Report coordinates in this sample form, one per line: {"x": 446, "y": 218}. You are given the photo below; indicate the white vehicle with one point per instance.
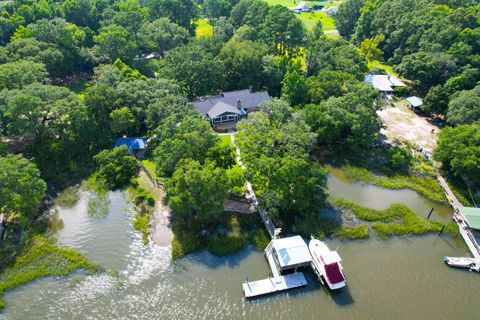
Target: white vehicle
{"x": 326, "y": 264}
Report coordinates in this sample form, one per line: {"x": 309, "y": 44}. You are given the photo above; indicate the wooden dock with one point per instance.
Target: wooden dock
{"x": 271, "y": 285}
{"x": 461, "y": 221}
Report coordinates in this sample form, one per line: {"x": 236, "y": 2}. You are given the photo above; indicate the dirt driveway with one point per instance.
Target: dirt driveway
{"x": 402, "y": 123}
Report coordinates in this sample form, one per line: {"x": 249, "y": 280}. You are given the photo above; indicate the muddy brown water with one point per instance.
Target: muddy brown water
{"x": 398, "y": 278}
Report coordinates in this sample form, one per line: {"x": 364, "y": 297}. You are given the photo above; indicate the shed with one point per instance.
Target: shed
{"x": 472, "y": 215}
{"x": 291, "y": 253}
{"x": 414, "y": 102}
{"x": 133, "y": 144}
{"x": 302, "y": 7}
{"x": 331, "y": 11}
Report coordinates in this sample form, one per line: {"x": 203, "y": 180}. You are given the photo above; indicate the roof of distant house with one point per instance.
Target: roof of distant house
{"x": 220, "y": 108}
{"x": 384, "y": 82}
{"x": 472, "y": 215}
{"x": 247, "y": 100}
{"x": 332, "y": 9}
{"x": 302, "y": 5}
{"x": 291, "y": 251}
{"x": 415, "y": 101}
{"x": 132, "y": 143}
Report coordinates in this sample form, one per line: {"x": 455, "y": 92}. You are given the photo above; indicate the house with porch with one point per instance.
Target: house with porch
{"x": 227, "y": 108}
{"x": 385, "y": 83}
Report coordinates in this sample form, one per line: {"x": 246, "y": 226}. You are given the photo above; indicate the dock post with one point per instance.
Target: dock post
{"x": 428, "y": 217}
{"x": 441, "y": 230}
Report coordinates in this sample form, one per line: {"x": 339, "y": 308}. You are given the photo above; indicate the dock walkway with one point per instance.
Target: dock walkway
{"x": 461, "y": 221}
{"x": 271, "y": 285}
{"x": 263, "y": 214}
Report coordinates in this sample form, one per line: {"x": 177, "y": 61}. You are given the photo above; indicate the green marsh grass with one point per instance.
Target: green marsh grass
{"x": 43, "y": 258}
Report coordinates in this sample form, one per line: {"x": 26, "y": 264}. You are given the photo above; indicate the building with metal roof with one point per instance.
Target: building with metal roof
{"x": 384, "y": 82}
{"x": 291, "y": 253}
{"x": 133, "y": 144}
{"x": 472, "y": 215}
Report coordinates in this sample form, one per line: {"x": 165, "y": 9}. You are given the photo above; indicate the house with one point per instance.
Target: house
{"x": 414, "y": 103}
{"x": 290, "y": 253}
{"x": 302, "y": 7}
{"x": 331, "y": 11}
{"x": 230, "y": 107}
{"x": 135, "y": 145}
{"x": 384, "y": 82}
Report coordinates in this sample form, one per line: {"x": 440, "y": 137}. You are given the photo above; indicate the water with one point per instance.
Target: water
{"x": 399, "y": 278}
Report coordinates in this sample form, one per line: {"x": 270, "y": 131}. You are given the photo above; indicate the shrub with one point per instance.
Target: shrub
{"x": 116, "y": 167}
{"x": 141, "y": 223}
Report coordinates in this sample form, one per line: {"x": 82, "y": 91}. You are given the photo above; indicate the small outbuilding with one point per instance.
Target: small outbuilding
{"x": 331, "y": 11}
{"x": 135, "y": 145}
{"x": 291, "y": 253}
{"x": 302, "y": 7}
{"x": 472, "y": 215}
{"x": 414, "y": 103}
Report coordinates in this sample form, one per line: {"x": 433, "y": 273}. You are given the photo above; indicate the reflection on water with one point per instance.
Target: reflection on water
{"x": 399, "y": 278}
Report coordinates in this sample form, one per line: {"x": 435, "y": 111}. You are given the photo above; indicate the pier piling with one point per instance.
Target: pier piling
{"x": 428, "y": 217}
{"x": 441, "y": 230}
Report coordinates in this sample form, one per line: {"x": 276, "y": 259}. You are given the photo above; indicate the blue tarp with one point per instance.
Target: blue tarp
{"x": 131, "y": 143}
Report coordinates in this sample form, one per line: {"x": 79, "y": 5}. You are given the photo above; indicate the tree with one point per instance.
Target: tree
{"x": 40, "y": 52}
{"x": 21, "y": 187}
{"x": 294, "y": 87}
{"x": 436, "y": 100}
{"x": 197, "y": 192}
{"x": 193, "y": 68}
{"x": 116, "y": 167}
{"x": 215, "y": 9}
{"x": 122, "y": 120}
{"x": 328, "y": 84}
{"x": 242, "y": 61}
{"x": 369, "y": 47}
{"x": 347, "y": 16}
{"x": 464, "y": 107}
{"x": 161, "y": 35}
{"x": 18, "y": 74}
{"x": 113, "y": 42}
{"x": 180, "y": 12}
{"x": 459, "y": 151}
{"x": 191, "y": 138}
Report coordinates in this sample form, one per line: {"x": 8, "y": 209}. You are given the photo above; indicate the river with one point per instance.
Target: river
{"x": 398, "y": 278}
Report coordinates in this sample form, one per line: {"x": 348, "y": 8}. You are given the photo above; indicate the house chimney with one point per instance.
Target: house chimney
{"x": 239, "y": 104}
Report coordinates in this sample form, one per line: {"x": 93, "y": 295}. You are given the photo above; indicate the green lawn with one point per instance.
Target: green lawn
{"x": 226, "y": 139}
{"x": 204, "y": 29}
{"x": 380, "y": 65}
{"x": 79, "y": 88}
{"x": 310, "y": 18}
{"x": 150, "y": 165}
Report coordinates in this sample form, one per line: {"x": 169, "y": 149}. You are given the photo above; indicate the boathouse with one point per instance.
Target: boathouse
{"x": 472, "y": 215}
{"x": 290, "y": 253}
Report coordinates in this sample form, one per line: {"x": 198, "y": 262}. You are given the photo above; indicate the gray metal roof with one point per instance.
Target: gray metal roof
{"x": 415, "y": 101}
{"x": 247, "y": 100}
{"x": 220, "y": 108}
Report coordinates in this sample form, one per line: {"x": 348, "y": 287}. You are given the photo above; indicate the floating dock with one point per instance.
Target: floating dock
{"x": 271, "y": 285}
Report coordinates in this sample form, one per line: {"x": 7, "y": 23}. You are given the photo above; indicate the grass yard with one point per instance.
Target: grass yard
{"x": 79, "y": 88}
{"x": 311, "y": 18}
{"x": 204, "y": 29}
{"x": 380, "y": 65}
{"x": 226, "y": 139}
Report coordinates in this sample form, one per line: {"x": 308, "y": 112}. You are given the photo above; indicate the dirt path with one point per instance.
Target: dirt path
{"x": 404, "y": 124}
{"x": 160, "y": 230}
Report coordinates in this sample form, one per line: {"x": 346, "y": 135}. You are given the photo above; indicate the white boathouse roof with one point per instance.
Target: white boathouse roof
{"x": 291, "y": 251}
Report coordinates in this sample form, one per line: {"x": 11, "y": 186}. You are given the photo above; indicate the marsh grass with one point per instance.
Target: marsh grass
{"x": 259, "y": 239}
{"x": 97, "y": 206}
{"x": 353, "y": 232}
{"x": 322, "y": 227}
{"x": 141, "y": 223}
{"x": 68, "y": 198}
{"x": 426, "y": 186}
{"x": 43, "y": 258}
{"x": 396, "y": 220}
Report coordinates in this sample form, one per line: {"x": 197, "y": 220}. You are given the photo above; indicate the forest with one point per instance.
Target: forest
{"x": 77, "y": 74}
